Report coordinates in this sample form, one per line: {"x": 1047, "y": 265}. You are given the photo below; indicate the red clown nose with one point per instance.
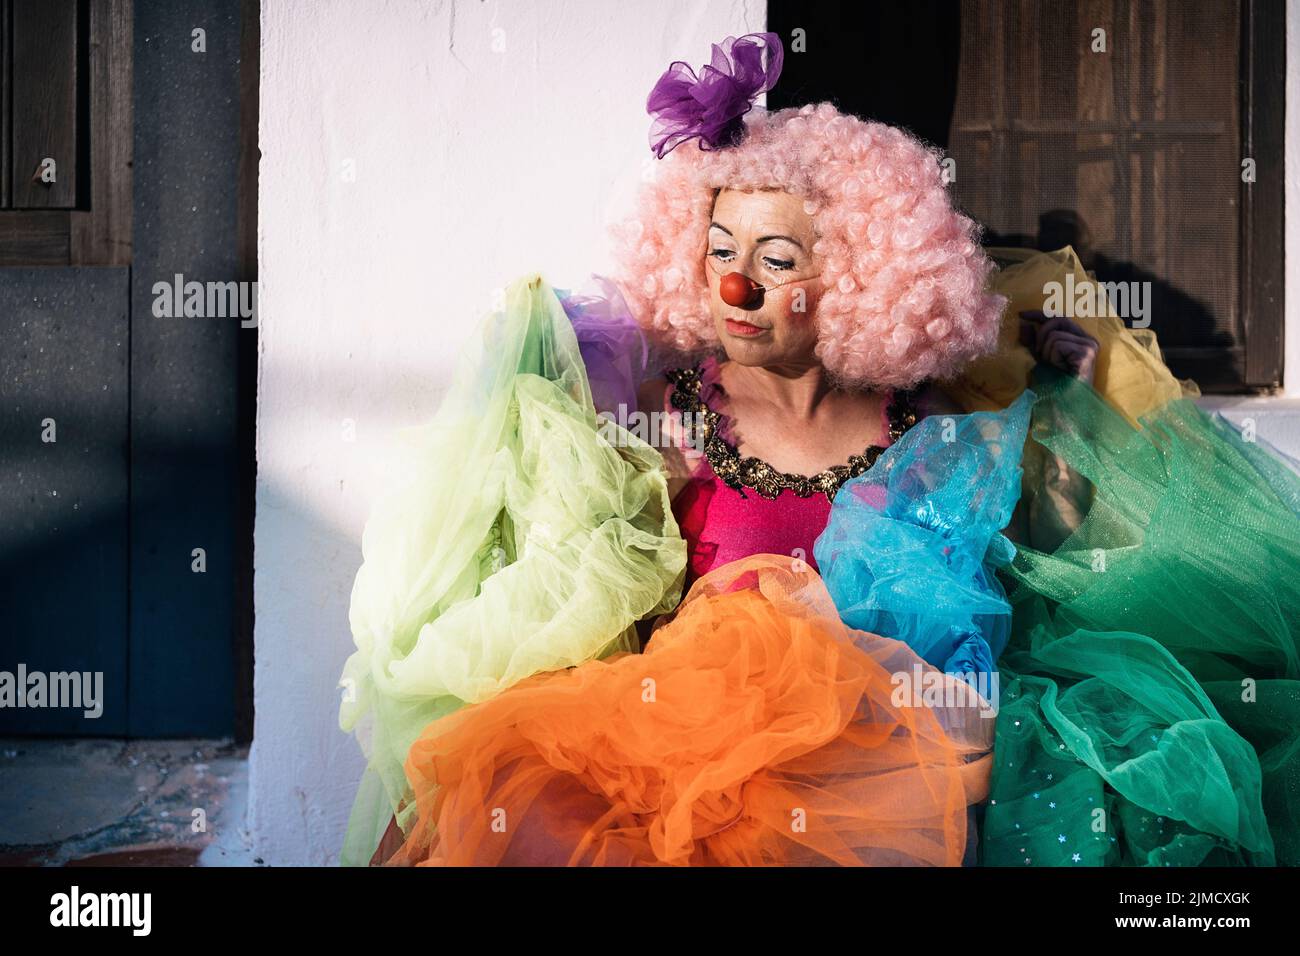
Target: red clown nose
{"x": 739, "y": 290}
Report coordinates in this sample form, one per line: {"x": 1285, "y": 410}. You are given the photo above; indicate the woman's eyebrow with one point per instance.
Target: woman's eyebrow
{"x": 789, "y": 239}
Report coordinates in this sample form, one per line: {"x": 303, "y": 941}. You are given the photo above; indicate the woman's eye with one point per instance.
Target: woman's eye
{"x": 778, "y": 265}
{"x": 723, "y": 255}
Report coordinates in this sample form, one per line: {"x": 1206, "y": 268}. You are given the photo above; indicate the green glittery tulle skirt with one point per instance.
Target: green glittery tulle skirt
{"x": 1151, "y": 685}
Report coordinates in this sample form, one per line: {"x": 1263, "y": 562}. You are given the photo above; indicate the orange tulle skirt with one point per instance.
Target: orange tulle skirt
{"x": 755, "y": 729}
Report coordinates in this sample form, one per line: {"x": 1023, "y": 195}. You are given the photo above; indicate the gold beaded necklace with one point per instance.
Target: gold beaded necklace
{"x": 754, "y": 473}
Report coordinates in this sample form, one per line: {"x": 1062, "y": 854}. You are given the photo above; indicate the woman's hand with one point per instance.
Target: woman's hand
{"x": 1059, "y": 342}
{"x": 1055, "y": 498}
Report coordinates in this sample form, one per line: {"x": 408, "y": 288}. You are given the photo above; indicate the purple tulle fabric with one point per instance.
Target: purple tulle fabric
{"x": 613, "y": 346}
{"x": 712, "y": 106}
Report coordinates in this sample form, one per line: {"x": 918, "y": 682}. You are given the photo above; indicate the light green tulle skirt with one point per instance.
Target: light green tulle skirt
{"x": 515, "y": 537}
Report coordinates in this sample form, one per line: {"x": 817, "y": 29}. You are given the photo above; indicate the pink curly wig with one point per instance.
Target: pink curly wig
{"x": 904, "y": 275}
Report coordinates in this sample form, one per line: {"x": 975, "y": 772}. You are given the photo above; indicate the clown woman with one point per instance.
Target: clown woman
{"x": 884, "y": 468}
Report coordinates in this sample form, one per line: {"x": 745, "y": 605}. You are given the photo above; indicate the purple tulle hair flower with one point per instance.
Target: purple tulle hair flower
{"x": 712, "y": 106}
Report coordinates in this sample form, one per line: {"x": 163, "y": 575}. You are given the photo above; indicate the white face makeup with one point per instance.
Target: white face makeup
{"x": 767, "y": 236}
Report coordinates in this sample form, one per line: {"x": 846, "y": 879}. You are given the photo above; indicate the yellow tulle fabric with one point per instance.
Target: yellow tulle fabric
{"x": 1130, "y": 374}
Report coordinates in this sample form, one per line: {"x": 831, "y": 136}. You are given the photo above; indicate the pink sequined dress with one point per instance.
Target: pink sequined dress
{"x": 759, "y": 510}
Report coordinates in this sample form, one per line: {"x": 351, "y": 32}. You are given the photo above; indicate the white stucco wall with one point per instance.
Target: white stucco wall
{"x": 489, "y": 139}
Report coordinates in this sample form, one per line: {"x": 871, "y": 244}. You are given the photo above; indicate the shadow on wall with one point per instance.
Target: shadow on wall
{"x": 1179, "y": 317}
{"x": 301, "y": 783}
{"x": 317, "y": 765}
{"x": 72, "y": 601}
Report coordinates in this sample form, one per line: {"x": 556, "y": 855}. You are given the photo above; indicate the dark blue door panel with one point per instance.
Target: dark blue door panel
{"x": 64, "y": 337}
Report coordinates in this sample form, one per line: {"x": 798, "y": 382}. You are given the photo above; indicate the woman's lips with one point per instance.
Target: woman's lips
{"x": 744, "y": 329}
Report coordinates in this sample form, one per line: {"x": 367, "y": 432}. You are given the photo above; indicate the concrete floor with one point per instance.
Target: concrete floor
{"x": 123, "y": 803}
